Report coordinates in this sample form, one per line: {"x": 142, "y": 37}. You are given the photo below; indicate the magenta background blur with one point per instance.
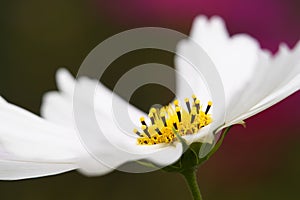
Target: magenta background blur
{"x": 270, "y": 21}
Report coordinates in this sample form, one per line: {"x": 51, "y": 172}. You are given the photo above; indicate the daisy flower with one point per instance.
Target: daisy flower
{"x": 179, "y": 136}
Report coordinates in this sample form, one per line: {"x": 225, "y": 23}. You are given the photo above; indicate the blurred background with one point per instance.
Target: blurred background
{"x": 38, "y": 37}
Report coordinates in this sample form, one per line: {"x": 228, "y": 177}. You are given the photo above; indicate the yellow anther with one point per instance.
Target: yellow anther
{"x": 166, "y": 130}
{"x": 152, "y": 110}
{"x": 168, "y": 120}
{"x": 209, "y": 104}
{"x": 144, "y": 127}
{"x": 188, "y": 105}
{"x": 151, "y": 116}
{"x": 176, "y": 103}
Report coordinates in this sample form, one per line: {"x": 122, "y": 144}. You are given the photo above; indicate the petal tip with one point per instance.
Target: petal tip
{"x": 2, "y": 100}
{"x": 65, "y": 80}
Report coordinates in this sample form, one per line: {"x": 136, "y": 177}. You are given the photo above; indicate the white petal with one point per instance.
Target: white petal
{"x": 112, "y": 133}
{"x": 29, "y": 142}
{"x": 275, "y": 97}
{"x": 27, "y": 138}
{"x": 235, "y": 57}
{"x": 189, "y": 81}
{"x": 274, "y": 76}
{"x": 204, "y": 136}
{"x": 65, "y": 81}
{"x": 2, "y": 100}
{"x": 15, "y": 169}
{"x": 253, "y": 80}
{"x": 54, "y": 103}
{"x": 112, "y": 148}
{"x": 197, "y": 74}
{"x": 22, "y": 133}
{"x": 58, "y": 107}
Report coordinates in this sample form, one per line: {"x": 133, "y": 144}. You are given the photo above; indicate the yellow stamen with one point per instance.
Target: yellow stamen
{"x": 194, "y": 97}
{"x": 209, "y": 104}
{"x": 142, "y": 119}
{"x": 188, "y": 105}
{"x": 176, "y": 103}
{"x": 167, "y": 120}
{"x": 151, "y": 116}
{"x": 178, "y": 113}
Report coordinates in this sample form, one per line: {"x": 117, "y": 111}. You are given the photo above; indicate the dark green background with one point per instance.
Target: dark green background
{"x": 38, "y": 37}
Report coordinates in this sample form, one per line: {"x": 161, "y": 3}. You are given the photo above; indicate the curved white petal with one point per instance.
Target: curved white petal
{"x": 2, "y": 100}
{"x": 19, "y": 169}
{"x": 204, "y": 136}
{"x": 275, "y": 97}
{"x": 65, "y": 81}
{"x": 89, "y": 110}
{"x": 276, "y": 78}
{"x": 33, "y": 142}
{"x": 112, "y": 132}
{"x": 196, "y": 73}
{"x": 28, "y": 143}
{"x": 235, "y": 57}
{"x": 253, "y": 79}
{"x": 22, "y": 133}
{"x": 57, "y": 103}
{"x": 189, "y": 81}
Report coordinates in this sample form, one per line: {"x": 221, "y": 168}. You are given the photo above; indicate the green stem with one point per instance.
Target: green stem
{"x": 191, "y": 179}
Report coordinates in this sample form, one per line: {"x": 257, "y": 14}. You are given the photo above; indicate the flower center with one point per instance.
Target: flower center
{"x": 168, "y": 120}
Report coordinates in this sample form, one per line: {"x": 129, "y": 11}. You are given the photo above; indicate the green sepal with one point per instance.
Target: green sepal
{"x": 193, "y": 156}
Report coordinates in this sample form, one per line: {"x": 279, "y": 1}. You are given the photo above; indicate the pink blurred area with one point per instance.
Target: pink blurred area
{"x": 271, "y": 22}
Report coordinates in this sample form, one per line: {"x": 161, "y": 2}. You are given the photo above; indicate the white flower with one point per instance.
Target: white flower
{"x": 252, "y": 78}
